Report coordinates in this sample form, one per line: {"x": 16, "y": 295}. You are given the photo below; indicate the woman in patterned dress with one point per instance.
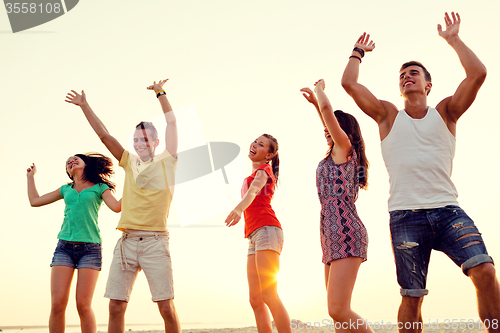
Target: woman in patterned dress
{"x": 339, "y": 176}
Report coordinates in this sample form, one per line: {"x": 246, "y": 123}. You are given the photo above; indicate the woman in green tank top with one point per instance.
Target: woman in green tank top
{"x": 79, "y": 245}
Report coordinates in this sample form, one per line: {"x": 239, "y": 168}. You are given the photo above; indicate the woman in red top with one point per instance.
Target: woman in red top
{"x": 264, "y": 233}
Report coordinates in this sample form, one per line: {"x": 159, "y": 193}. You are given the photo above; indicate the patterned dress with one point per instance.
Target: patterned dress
{"x": 342, "y": 232}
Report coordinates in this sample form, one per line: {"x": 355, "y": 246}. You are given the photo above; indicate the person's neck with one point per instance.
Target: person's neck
{"x": 146, "y": 158}
{"x": 257, "y": 164}
{"x": 416, "y": 106}
{"x": 80, "y": 181}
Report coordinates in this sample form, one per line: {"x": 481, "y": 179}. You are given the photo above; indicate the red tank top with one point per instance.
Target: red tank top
{"x": 260, "y": 213}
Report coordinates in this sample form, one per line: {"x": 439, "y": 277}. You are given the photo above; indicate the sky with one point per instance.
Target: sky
{"x": 237, "y": 66}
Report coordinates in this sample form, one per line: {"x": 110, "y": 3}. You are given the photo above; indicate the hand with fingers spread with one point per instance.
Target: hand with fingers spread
{"x": 157, "y": 86}
{"x": 75, "y": 98}
{"x": 364, "y": 43}
{"x": 31, "y": 170}
{"x": 452, "y": 26}
{"x": 310, "y": 96}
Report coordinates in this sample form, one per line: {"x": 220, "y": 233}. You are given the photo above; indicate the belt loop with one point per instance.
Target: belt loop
{"x": 156, "y": 235}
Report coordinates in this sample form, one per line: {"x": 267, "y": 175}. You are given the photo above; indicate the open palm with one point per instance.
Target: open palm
{"x": 75, "y": 98}
{"x": 365, "y": 43}
{"x": 452, "y": 26}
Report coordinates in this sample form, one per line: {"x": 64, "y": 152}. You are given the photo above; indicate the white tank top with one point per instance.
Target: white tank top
{"x": 418, "y": 154}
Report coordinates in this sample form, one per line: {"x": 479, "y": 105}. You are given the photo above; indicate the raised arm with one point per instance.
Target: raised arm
{"x": 114, "y": 147}
{"x": 475, "y": 72}
{"x": 35, "y": 199}
{"x": 258, "y": 183}
{"x": 171, "y": 138}
{"x": 311, "y": 98}
{"x": 339, "y": 137}
{"x": 363, "y": 97}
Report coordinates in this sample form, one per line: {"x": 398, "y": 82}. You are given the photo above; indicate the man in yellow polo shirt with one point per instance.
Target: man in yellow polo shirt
{"x": 147, "y": 194}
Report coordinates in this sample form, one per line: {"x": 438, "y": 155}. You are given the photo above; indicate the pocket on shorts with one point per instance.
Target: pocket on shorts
{"x": 453, "y": 209}
{"x": 60, "y": 244}
{"x": 280, "y": 236}
{"x": 397, "y": 215}
{"x": 117, "y": 247}
{"x": 165, "y": 246}
{"x": 94, "y": 247}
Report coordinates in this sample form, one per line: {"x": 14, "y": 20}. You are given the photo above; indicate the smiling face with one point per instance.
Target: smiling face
{"x": 328, "y": 137}
{"x": 145, "y": 143}
{"x": 412, "y": 79}
{"x": 73, "y": 164}
{"x": 259, "y": 150}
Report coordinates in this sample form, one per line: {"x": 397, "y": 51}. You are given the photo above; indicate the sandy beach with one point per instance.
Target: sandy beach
{"x": 438, "y": 328}
{"x": 253, "y": 329}
{"x": 297, "y": 327}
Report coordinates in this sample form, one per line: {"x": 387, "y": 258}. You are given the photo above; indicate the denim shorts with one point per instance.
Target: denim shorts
{"x": 415, "y": 233}
{"x": 268, "y": 237}
{"x": 78, "y": 255}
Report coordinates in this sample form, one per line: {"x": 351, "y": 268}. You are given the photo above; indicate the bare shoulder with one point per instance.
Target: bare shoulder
{"x": 442, "y": 107}
{"x": 390, "y": 108}
{"x": 385, "y": 123}
{"x": 448, "y": 118}
{"x": 261, "y": 174}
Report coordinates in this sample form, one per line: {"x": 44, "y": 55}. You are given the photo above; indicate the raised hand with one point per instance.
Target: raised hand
{"x": 31, "y": 170}
{"x": 75, "y": 98}
{"x": 309, "y": 95}
{"x": 365, "y": 43}
{"x": 320, "y": 84}
{"x": 157, "y": 86}
{"x": 452, "y": 26}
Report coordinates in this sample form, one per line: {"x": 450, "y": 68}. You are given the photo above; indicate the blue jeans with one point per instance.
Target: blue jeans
{"x": 78, "y": 255}
{"x": 415, "y": 233}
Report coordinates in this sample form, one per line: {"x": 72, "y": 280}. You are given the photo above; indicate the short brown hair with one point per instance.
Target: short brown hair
{"x": 427, "y": 75}
{"x": 148, "y": 125}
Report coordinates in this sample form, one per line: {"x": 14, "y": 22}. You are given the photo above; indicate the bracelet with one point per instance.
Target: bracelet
{"x": 360, "y": 51}
{"x": 353, "y": 56}
{"x": 161, "y": 92}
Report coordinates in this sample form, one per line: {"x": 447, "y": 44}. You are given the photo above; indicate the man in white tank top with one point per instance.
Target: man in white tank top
{"x": 418, "y": 146}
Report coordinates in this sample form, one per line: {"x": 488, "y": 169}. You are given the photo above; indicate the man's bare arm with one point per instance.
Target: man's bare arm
{"x": 475, "y": 71}
{"x": 381, "y": 111}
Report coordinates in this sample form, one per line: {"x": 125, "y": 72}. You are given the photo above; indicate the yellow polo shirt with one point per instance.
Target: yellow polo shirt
{"x": 147, "y": 192}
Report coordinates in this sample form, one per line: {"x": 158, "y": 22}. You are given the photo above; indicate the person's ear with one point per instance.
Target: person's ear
{"x": 428, "y": 87}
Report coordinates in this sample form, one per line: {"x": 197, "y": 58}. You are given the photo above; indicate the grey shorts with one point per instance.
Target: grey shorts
{"x": 136, "y": 251}
{"x": 265, "y": 238}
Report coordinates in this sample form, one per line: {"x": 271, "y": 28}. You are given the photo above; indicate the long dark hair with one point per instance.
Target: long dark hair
{"x": 350, "y": 126}
{"x": 275, "y": 160}
{"x": 98, "y": 169}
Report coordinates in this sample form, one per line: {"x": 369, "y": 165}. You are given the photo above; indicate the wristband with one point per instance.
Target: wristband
{"x": 161, "y": 92}
{"x": 353, "y": 56}
{"x": 360, "y": 51}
